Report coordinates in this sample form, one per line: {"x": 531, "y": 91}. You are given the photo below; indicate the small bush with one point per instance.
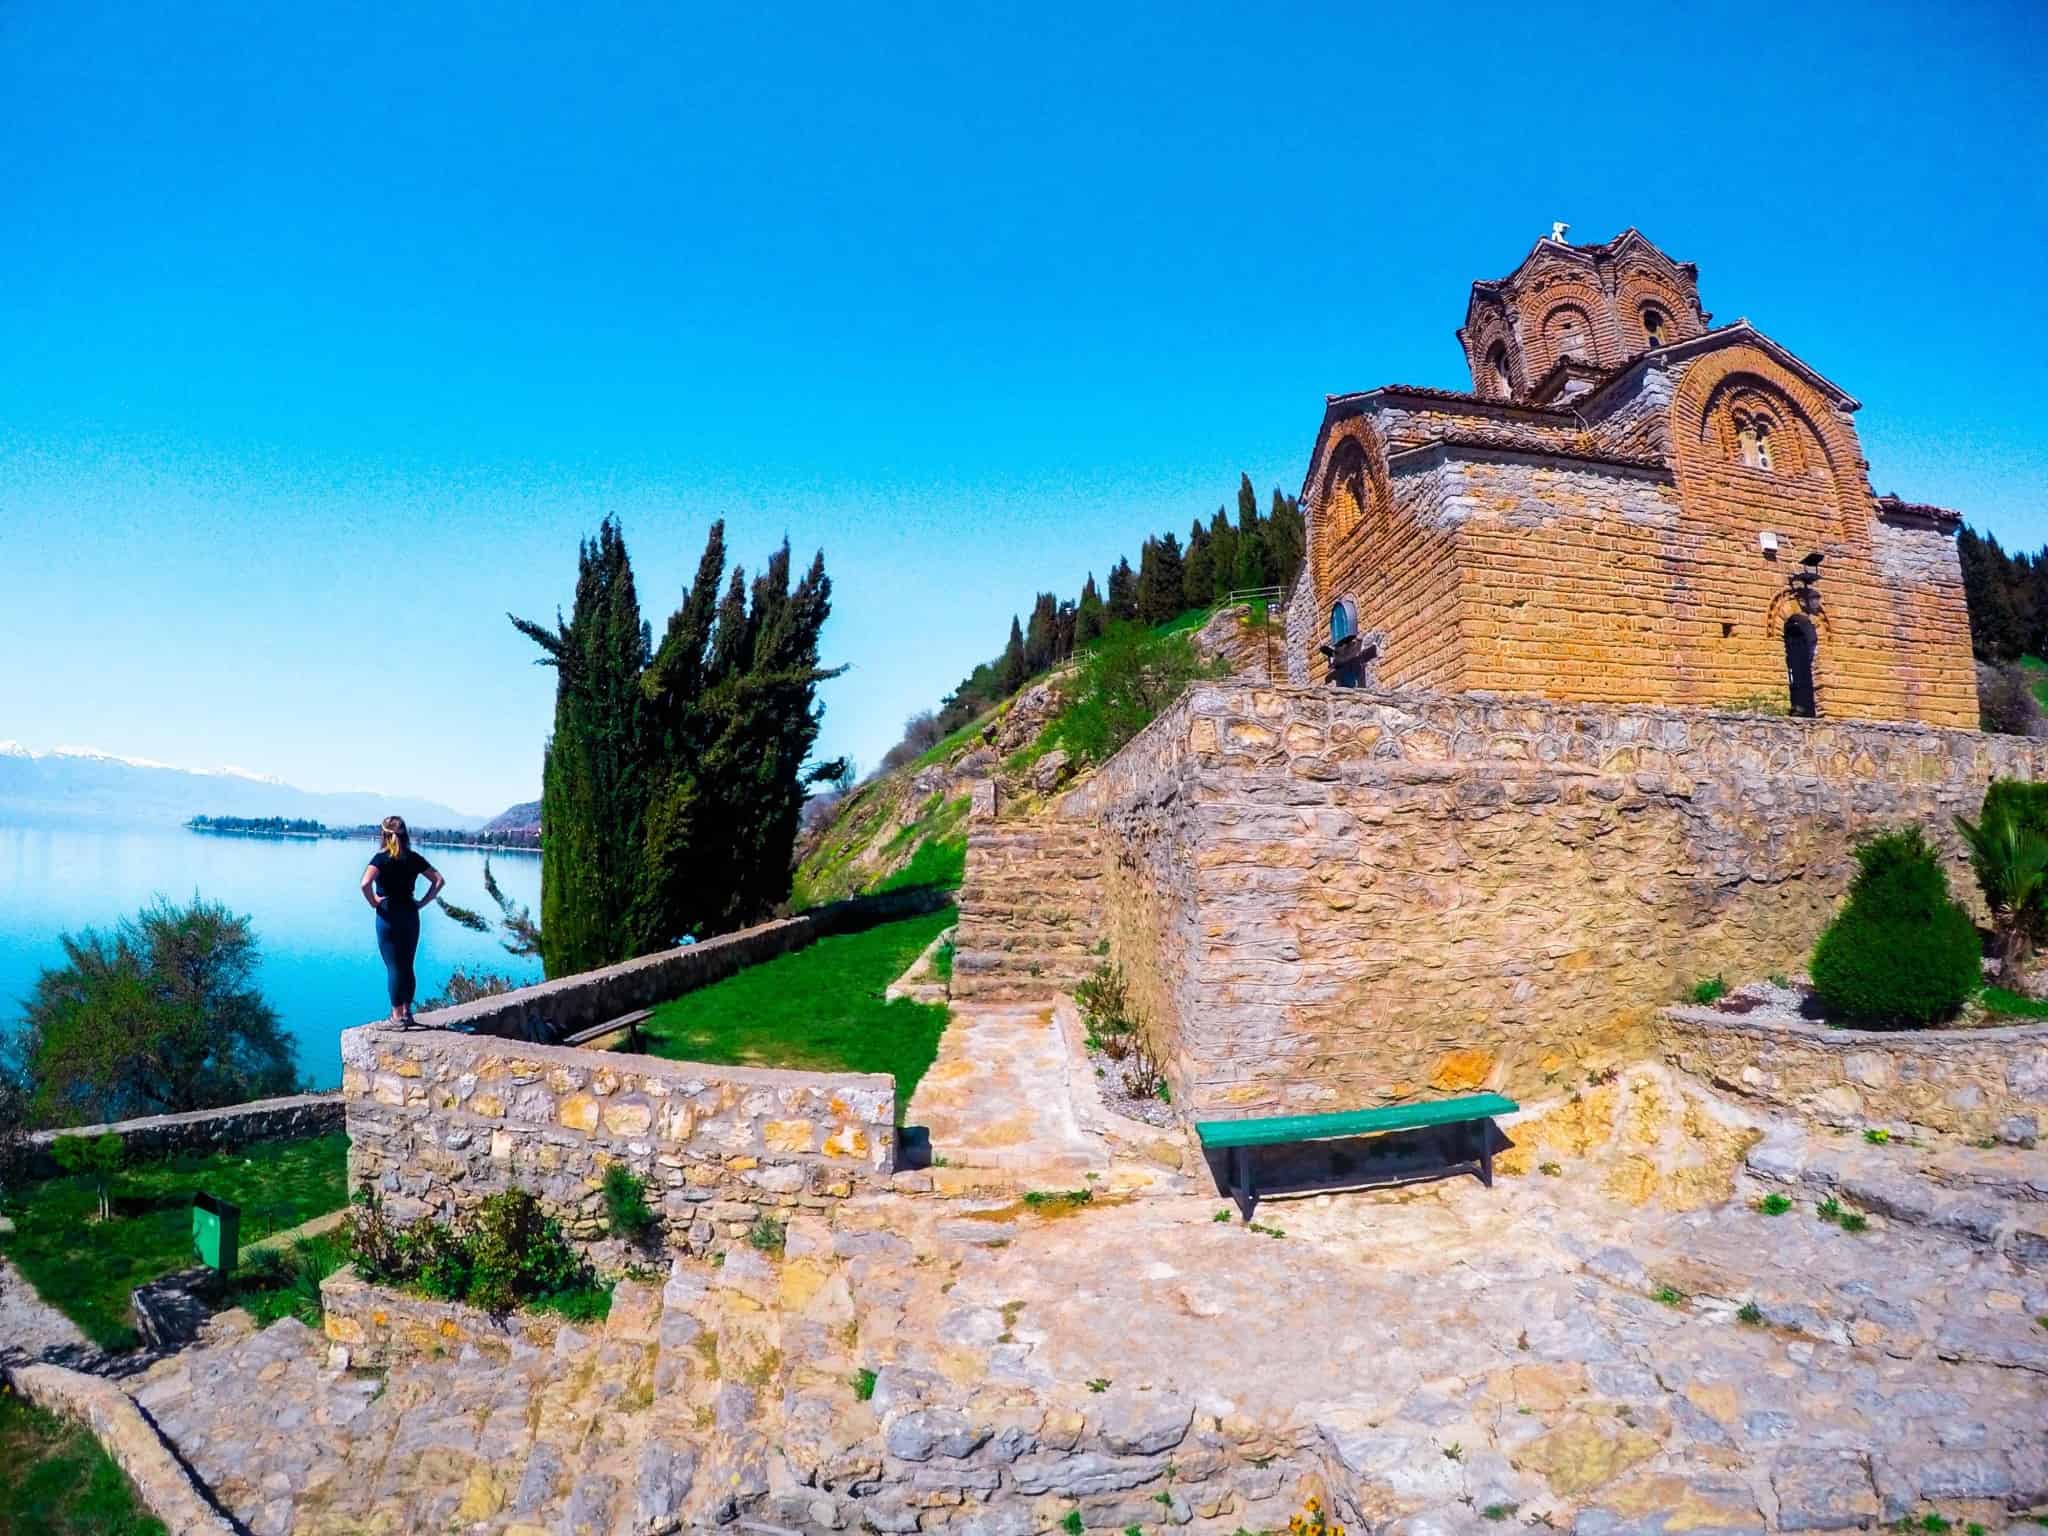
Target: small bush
{"x": 100, "y": 1157}
{"x": 1751, "y": 1315}
{"x": 1774, "y": 1205}
{"x": 767, "y": 1235}
{"x": 864, "y": 1384}
{"x": 503, "y": 1253}
{"x": 626, "y": 1209}
{"x": 1712, "y": 990}
{"x": 1900, "y": 953}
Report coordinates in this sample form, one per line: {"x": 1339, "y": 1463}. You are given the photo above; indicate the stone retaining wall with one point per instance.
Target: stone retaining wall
{"x": 550, "y": 1010}
{"x": 205, "y": 1130}
{"x": 380, "y": 1326}
{"x": 1963, "y": 1082}
{"x": 1335, "y": 898}
{"x": 437, "y": 1121}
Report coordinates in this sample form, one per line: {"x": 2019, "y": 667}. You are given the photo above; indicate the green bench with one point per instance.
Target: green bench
{"x": 1236, "y": 1138}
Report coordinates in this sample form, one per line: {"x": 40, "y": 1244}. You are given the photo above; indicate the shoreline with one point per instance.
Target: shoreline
{"x": 352, "y": 834}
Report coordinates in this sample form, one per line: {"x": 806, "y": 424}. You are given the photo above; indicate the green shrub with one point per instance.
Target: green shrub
{"x": 1129, "y": 676}
{"x": 98, "y": 1156}
{"x": 626, "y": 1209}
{"x": 503, "y": 1253}
{"x": 2009, "y": 855}
{"x": 1900, "y": 954}
{"x": 1712, "y": 990}
{"x": 767, "y": 1235}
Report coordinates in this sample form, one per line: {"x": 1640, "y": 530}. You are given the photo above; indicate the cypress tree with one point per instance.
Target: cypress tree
{"x": 1123, "y": 592}
{"x": 1088, "y": 615}
{"x": 1010, "y": 673}
{"x": 1286, "y": 538}
{"x": 1247, "y": 502}
{"x": 1169, "y": 575}
{"x": 685, "y": 822}
{"x": 1198, "y": 580}
{"x": 1063, "y": 622}
{"x": 1222, "y": 554}
{"x": 593, "y": 783}
{"x": 1040, "y": 637}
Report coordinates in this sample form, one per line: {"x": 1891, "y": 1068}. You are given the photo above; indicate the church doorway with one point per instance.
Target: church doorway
{"x": 1800, "y": 644}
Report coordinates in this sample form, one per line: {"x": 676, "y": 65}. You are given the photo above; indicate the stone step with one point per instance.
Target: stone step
{"x": 1997, "y": 1204}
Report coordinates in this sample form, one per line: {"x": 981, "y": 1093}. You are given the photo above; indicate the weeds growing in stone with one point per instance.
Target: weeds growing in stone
{"x": 767, "y": 1235}
{"x": 1498, "y": 1512}
{"x": 1071, "y": 1523}
{"x": 1099, "y": 1384}
{"x": 1550, "y": 1170}
{"x": 626, "y": 1210}
{"x": 1222, "y": 1215}
{"x": 1876, "y": 1137}
{"x": 1253, "y": 1226}
{"x": 1774, "y": 1205}
{"x": 1670, "y": 1296}
{"x": 863, "y": 1384}
{"x": 1048, "y": 1201}
{"x": 1751, "y": 1314}
{"x": 1712, "y": 990}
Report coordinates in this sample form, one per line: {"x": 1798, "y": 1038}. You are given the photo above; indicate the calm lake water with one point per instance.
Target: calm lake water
{"x": 320, "y": 968}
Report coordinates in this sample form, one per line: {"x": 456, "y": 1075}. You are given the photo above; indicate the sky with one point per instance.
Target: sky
{"x": 326, "y": 333}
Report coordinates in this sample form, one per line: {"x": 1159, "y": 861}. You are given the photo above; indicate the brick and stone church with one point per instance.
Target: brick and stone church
{"x": 1631, "y": 505}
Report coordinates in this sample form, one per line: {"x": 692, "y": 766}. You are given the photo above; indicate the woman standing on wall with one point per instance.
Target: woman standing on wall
{"x": 388, "y": 888}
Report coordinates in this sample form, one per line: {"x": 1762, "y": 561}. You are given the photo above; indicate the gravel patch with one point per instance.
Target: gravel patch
{"x": 1119, "y": 1100}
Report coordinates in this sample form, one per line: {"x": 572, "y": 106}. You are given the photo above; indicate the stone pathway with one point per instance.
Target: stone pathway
{"x": 1436, "y": 1358}
{"x": 34, "y": 1332}
{"x": 1002, "y": 1096}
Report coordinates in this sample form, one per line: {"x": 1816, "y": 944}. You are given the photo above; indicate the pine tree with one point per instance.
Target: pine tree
{"x": 1063, "y": 621}
{"x": 1198, "y": 579}
{"x": 1010, "y": 671}
{"x": 593, "y": 788}
{"x": 1123, "y": 592}
{"x": 1169, "y": 576}
{"x": 1088, "y": 616}
{"x": 1247, "y": 503}
{"x": 1991, "y": 583}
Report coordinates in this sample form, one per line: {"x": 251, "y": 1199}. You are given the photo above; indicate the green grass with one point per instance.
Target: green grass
{"x": 820, "y": 1008}
{"x": 946, "y": 746}
{"x": 86, "y": 1268}
{"x": 2004, "y": 1004}
{"x": 2037, "y": 674}
{"x": 59, "y": 1482}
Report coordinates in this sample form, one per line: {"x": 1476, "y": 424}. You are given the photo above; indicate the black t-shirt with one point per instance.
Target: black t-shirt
{"x": 396, "y": 876}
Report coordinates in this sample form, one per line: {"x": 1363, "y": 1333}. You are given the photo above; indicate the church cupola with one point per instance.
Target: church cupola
{"x": 1570, "y": 313}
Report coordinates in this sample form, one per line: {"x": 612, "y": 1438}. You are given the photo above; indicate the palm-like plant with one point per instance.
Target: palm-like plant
{"x": 2011, "y": 864}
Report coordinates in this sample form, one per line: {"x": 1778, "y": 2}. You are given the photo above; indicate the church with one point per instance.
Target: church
{"x": 1631, "y": 505}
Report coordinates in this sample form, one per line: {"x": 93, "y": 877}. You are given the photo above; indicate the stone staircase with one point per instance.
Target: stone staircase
{"x": 1030, "y": 910}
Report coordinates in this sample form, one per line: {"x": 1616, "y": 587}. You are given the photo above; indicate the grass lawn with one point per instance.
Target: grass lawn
{"x": 59, "y": 1482}
{"x": 820, "y": 1008}
{"x": 86, "y": 1268}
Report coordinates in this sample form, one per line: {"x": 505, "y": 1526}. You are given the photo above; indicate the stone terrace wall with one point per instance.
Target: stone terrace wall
{"x": 550, "y": 1010}
{"x": 1962, "y": 1082}
{"x": 437, "y": 1121}
{"x": 205, "y": 1130}
{"x": 1337, "y": 897}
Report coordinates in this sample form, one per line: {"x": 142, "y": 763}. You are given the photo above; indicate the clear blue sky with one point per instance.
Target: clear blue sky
{"x": 325, "y": 332}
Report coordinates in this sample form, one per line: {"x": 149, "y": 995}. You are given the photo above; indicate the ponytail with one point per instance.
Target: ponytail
{"x": 397, "y": 841}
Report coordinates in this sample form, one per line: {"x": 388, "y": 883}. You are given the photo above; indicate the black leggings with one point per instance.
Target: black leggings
{"x": 398, "y": 940}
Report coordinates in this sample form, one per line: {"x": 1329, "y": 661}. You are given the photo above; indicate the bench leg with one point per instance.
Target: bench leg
{"x": 1241, "y": 1188}
{"x": 1486, "y": 1153}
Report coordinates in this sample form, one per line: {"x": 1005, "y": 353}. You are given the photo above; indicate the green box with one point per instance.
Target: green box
{"x": 216, "y": 1232}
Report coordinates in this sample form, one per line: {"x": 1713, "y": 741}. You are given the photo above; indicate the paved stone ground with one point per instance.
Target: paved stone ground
{"x": 1002, "y": 1094}
{"x": 1437, "y": 1358}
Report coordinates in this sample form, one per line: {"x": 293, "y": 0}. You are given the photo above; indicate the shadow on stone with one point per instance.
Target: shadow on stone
{"x": 913, "y": 1146}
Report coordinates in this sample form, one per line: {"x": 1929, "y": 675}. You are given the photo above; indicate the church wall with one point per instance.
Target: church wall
{"x": 1381, "y": 896}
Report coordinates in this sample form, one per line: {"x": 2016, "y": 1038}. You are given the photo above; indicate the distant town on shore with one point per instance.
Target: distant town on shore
{"x": 518, "y": 830}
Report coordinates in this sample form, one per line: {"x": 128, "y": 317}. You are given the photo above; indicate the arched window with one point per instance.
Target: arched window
{"x": 1800, "y": 644}
{"x": 1343, "y": 620}
{"x": 1655, "y": 327}
{"x": 1753, "y": 440}
{"x": 1497, "y": 370}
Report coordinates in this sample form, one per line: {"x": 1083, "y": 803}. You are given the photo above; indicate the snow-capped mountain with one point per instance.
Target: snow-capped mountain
{"x": 85, "y": 783}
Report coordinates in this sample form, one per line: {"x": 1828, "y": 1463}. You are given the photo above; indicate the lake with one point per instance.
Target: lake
{"x": 320, "y": 969}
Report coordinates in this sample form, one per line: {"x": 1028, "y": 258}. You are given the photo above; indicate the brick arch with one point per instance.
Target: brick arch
{"x": 1829, "y": 439}
{"x": 1639, "y": 288}
{"x": 1490, "y": 330}
{"x": 1352, "y": 499}
{"x": 1795, "y": 446}
{"x": 1536, "y": 308}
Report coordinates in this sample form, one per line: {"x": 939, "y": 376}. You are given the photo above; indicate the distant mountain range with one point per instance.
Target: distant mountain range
{"x": 524, "y": 817}
{"x": 76, "y": 783}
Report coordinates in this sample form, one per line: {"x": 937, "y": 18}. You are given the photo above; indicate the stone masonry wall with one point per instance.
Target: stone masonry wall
{"x": 1332, "y": 897}
{"x": 1959, "y": 1082}
{"x": 205, "y": 1130}
{"x": 437, "y": 1121}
